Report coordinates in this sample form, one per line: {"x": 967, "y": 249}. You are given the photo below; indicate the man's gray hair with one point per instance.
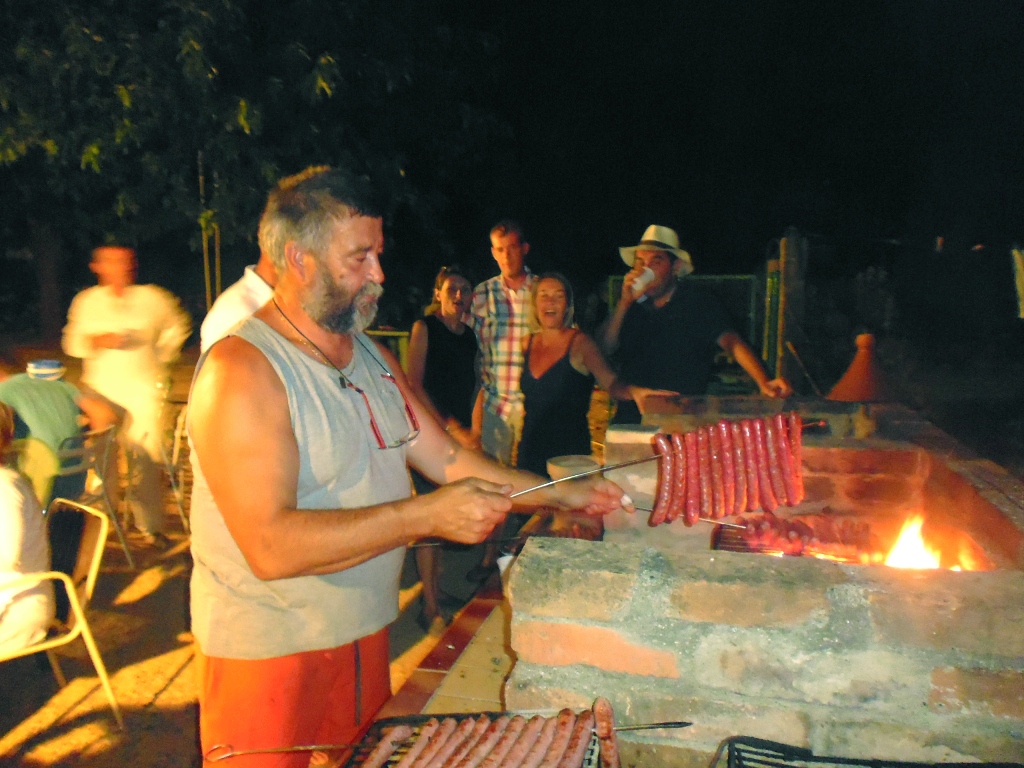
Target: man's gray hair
{"x": 304, "y": 208}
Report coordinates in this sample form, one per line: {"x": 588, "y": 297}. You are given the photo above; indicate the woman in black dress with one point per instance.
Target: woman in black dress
{"x": 442, "y": 354}
{"x": 561, "y": 365}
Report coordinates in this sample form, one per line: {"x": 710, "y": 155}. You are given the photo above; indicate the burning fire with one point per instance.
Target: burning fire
{"x": 910, "y": 551}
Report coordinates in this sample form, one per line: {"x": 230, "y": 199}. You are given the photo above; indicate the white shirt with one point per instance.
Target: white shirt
{"x": 24, "y": 547}
{"x": 129, "y": 377}
{"x": 237, "y": 303}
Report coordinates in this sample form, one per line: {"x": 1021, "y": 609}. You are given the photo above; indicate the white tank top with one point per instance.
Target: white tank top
{"x": 236, "y": 615}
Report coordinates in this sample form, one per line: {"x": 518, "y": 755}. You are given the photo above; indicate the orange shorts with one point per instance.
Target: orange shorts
{"x": 315, "y": 697}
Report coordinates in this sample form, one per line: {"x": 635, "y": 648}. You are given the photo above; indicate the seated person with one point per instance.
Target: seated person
{"x": 50, "y": 409}
{"x": 25, "y": 615}
{"x": 665, "y": 333}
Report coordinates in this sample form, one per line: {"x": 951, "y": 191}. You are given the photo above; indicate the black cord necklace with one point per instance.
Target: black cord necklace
{"x": 344, "y": 379}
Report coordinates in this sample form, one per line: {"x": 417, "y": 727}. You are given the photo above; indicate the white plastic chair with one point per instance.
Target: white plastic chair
{"x": 78, "y": 584}
{"x": 91, "y": 451}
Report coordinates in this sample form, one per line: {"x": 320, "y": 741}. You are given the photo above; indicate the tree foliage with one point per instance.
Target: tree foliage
{"x": 136, "y": 121}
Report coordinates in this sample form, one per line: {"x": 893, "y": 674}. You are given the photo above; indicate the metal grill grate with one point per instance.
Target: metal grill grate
{"x": 749, "y": 752}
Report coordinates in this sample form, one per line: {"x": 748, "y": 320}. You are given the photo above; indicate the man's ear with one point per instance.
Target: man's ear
{"x": 295, "y": 259}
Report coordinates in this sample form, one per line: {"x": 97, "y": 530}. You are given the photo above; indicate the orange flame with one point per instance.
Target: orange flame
{"x": 910, "y": 551}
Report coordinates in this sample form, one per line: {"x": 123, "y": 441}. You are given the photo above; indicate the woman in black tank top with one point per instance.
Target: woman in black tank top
{"x": 561, "y": 365}
{"x": 442, "y": 357}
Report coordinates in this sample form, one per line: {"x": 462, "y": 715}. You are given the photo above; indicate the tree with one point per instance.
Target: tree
{"x": 112, "y": 115}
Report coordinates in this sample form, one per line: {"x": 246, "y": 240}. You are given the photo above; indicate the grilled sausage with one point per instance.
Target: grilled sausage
{"x": 692, "y": 511}
{"x": 662, "y": 447}
{"x": 452, "y": 743}
{"x": 768, "y": 498}
{"x": 796, "y": 448}
{"x": 728, "y": 466}
{"x": 540, "y": 747}
{"x": 508, "y": 738}
{"x": 739, "y": 466}
{"x": 775, "y": 467}
{"x": 704, "y": 467}
{"x": 750, "y": 465}
{"x": 514, "y": 757}
{"x": 780, "y": 426}
{"x": 576, "y": 750}
{"x": 389, "y": 742}
{"x": 604, "y": 724}
{"x": 678, "y": 503}
{"x": 717, "y": 473}
{"x": 483, "y": 726}
{"x": 437, "y": 740}
{"x": 427, "y": 730}
{"x": 566, "y": 721}
{"x": 486, "y": 743}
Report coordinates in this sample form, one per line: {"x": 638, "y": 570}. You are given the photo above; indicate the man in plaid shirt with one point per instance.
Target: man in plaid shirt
{"x": 498, "y": 316}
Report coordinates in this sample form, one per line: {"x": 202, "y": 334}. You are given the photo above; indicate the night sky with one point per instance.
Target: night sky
{"x": 871, "y": 126}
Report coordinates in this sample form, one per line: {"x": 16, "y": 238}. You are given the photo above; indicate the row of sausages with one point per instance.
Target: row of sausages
{"x": 508, "y": 741}
{"x": 729, "y": 468}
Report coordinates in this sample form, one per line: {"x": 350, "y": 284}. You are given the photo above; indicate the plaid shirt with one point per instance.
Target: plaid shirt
{"x": 498, "y": 316}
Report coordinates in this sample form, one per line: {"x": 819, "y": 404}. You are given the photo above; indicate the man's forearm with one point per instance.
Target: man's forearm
{"x": 609, "y": 332}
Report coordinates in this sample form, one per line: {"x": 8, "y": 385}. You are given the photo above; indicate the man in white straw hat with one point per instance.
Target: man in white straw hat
{"x": 664, "y": 334}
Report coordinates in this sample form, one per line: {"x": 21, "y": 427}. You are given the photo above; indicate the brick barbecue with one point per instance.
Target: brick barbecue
{"x": 848, "y": 660}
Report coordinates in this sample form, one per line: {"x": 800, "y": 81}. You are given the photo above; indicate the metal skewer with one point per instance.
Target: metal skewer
{"x": 653, "y": 726}
{"x": 578, "y": 475}
{"x": 220, "y": 752}
{"x": 704, "y": 520}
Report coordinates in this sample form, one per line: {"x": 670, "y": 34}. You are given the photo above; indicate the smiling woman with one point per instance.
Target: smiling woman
{"x": 561, "y": 365}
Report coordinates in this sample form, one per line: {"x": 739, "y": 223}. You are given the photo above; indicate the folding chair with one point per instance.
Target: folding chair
{"x": 79, "y": 454}
{"x": 78, "y": 582}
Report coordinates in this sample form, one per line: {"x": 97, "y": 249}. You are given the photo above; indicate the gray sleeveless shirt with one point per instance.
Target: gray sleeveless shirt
{"x": 236, "y": 615}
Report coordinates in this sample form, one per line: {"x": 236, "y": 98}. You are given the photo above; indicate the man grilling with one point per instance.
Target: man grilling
{"x": 301, "y": 429}
{"x": 664, "y": 334}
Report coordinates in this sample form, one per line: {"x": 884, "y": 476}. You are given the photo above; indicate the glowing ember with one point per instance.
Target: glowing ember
{"x": 910, "y": 551}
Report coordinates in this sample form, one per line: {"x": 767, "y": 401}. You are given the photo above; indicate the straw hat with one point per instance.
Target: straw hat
{"x": 658, "y": 238}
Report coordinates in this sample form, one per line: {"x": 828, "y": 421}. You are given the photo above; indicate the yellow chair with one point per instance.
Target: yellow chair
{"x": 78, "y": 584}
{"x": 91, "y": 451}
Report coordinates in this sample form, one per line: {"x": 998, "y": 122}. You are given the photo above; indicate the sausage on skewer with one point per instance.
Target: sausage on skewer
{"x": 663, "y": 497}
{"x": 764, "y": 481}
{"x": 780, "y": 426}
{"x": 678, "y": 503}
{"x": 750, "y": 464}
{"x": 692, "y": 510}
{"x": 728, "y": 466}
{"x": 739, "y": 466}
{"x": 704, "y": 467}
{"x": 389, "y": 742}
{"x": 775, "y": 470}
{"x": 717, "y": 472}
{"x": 604, "y": 724}
{"x": 796, "y": 443}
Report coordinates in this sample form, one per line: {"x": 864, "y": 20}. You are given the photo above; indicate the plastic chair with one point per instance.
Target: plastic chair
{"x": 78, "y": 583}
{"x": 37, "y": 461}
{"x": 91, "y": 450}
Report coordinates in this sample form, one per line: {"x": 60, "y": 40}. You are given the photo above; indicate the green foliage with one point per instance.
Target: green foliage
{"x": 134, "y": 121}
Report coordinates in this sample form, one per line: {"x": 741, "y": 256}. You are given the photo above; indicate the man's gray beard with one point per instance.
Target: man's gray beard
{"x": 336, "y": 311}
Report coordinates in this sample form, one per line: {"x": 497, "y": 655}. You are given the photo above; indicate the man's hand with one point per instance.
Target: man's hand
{"x": 594, "y": 495}
{"x": 776, "y": 388}
{"x": 467, "y": 510}
{"x": 109, "y": 340}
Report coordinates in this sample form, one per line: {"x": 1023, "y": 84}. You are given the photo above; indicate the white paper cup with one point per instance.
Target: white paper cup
{"x": 645, "y": 279}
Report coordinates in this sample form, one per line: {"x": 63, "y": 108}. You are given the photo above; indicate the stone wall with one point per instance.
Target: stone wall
{"x": 865, "y": 662}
